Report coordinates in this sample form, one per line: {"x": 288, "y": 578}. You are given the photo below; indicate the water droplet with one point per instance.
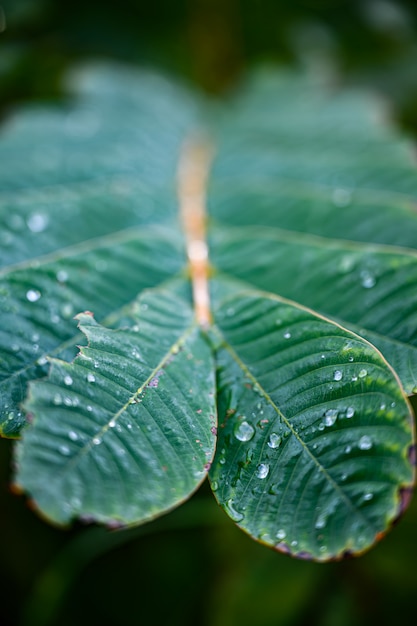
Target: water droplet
{"x": 367, "y": 279}
{"x": 112, "y": 423}
{"x": 96, "y": 441}
{"x": 262, "y": 470}
{"x": 368, "y": 496}
{"x": 62, "y": 276}
{"x": 321, "y": 426}
{"x": 338, "y": 375}
{"x": 287, "y": 335}
{"x": 33, "y": 295}
{"x": 101, "y": 265}
{"x": 393, "y": 405}
{"x": 274, "y": 440}
{"x": 294, "y": 543}
{"x": 350, "y": 359}
{"x": 365, "y": 443}
{"x": 73, "y": 435}
{"x": 214, "y": 485}
{"x": 57, "y": 400}
{"x": 64, "y": 450}
{"x": 383, "y": 406}
{"x": 42, "y": 360}
{"x": 330, "y": 417}
{"x": 281, "y": 534}
{"x": 354, "y": 378}
{"x": 68, "y": 380}
{"x": 67, "y": 310}
{"x": 350, "y": 412}
{"x": 363, "y": 373}
{"x": 244, "y": 431}
{"x": 89, "y": 408}
{"x": 341, "y": 197}
{"x": 37, "y": 222}
{"x": 321, "y": 521}
{"x": 67, "y": 401}
{"x": 348, "y": 449}
{"x": 233, "y": 513}
{"x": 91, "y": 378}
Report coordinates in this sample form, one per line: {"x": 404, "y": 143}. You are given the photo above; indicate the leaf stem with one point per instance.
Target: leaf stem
{"x": 192, "y": 180}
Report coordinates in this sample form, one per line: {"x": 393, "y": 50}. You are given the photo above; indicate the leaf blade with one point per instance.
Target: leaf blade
{"x": 132, "y": 443}
{"x": 307, "y": 460}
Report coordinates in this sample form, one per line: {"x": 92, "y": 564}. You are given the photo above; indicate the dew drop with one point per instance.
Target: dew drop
{"x": 348, "y": 449}
{"x": 365, "y": 443}
{"x": 341, "y": 197}
{"x": 33, "y": 295}
{"x": 281, "y": 534}
{"x": 321, "y": 522}
{"x": 350, "y": 412}
{"x": 338, "y": 375}
{"x": 68, "y": 380}
{"x": 383, "y": 406}
{"x": 363, "y": 373}
{"x": 244, "y": 431}
{"x": 67, "y": 310}
{"x": 354, "y": 378}
{"x": 214, "y": 485}
{"x": 233, "y": 513}
{"x": 368, "y": 496}
{"x": 57, "y": 400}
{"x": 42, "y": 360}
{"x": 96, "y": 441}
{"x": 112, "y": 423}
{"x": 274, "y": 440}
{"x": 62, "y": 276}
{"x": 262, "y": 470}
{"x": 367, "y": 280}
{"x": 64, "y": 450}
{"x": 37, "y": 222}
{"x": 89, "y": 408}
{"x": 287, "y": 335}
{"x": 330, "y": 417}
{"x": 91, "y": 378}
{"x": 73, "y": 435}
{"x": 67, "y": 401}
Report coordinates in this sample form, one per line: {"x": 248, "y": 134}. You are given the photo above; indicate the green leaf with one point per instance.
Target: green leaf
{"x": 75, "y": 216}
{"x": 39, "y": 299}
{"x": 306, "y": 409}
{"x": 368, "y": 289}
{"x": 311, "y": 198}
{"x": 135, "y": 413}
{"x": 330, "y": 182}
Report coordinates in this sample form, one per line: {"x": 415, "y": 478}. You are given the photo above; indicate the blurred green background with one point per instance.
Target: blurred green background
{"x": 194, "y": 567}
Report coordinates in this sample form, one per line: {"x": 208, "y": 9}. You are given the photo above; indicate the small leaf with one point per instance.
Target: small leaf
{"x": 314, "y": 430}
{"x": 125, "y": 432}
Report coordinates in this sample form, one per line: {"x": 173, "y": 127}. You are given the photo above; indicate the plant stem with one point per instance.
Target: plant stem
{"x": 192, "y": 179}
